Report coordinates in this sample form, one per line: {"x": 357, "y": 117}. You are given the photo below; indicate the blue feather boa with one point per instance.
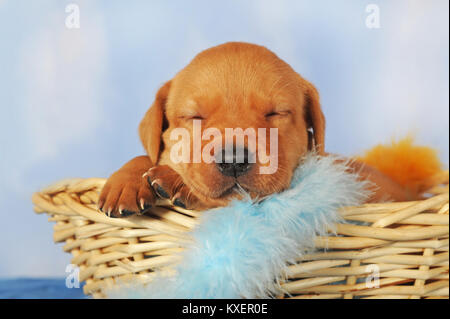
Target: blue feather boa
{"x": 242, "y": 250}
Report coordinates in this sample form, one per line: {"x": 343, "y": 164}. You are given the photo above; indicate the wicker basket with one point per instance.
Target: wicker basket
{"x": 396, "y": 250}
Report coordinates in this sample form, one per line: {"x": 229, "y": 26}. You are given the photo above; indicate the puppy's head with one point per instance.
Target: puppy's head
{"x": 239, "y": 97}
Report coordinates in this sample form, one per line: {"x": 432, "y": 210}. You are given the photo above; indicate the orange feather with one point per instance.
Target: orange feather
{"x": 409, "y": 165}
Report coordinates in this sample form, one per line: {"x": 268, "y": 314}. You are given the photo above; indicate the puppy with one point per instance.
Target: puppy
{"x": 233, "y": 85}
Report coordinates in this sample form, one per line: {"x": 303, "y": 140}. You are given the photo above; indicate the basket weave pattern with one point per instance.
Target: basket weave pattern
{"x": 395, "y": 250}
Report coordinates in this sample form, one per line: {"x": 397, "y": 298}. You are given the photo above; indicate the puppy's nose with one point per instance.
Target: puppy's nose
{"x": 234, "y": 166}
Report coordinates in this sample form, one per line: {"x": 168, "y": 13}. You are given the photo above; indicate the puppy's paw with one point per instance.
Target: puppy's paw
{"x": 169, "y": 185}
{"x": 126, "y": 193}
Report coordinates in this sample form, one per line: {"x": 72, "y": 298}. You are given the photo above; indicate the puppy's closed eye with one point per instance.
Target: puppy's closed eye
{"x": 192, "y": 117}
{"x": 273, "y": 114}
{"x": 191, "y": 114}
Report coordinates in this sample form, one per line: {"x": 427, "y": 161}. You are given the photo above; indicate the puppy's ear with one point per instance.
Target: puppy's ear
{"x": 154, "y": 123}
{"x": 315, "y": 120}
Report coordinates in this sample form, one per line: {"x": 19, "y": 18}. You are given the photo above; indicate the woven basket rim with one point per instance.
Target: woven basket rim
{"x": 407, "y": 241}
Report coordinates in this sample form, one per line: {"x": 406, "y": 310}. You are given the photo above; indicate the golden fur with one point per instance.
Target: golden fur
{"x": 227, "y": 86}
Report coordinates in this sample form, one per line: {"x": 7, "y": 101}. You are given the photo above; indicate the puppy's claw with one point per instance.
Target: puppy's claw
{"x": 124, "y": 212}
{"x": 176, "y": 200}
{"x": 100, "y": 205}
{"x": 179, "y": 203}
{"x": 144, "y": 206}
{"x": 127, "y": 213}
{"x": 159, "y": 190}
{"x": 168, "y": 184}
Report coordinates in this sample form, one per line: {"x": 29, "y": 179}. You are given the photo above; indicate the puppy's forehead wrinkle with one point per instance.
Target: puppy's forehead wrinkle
{"x": 275, "y": 83}
{"x": 236, "y": 69}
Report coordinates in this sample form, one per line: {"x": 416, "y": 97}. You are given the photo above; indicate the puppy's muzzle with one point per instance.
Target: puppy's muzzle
{"x": 236, "y": 164}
